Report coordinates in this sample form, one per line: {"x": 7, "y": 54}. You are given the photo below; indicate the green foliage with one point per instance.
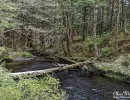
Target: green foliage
{"x": 128, "y": 57}
{"x": 8, "y": 56}
{"x": 89, "y": 42}
{"x": 116, "y": 66}
{"x": 46, "y": 88}
{"x": 107, "y": 52}
{"x": 8, "y": 59}
{"x": 7, "y": 13}
{"x": 116, "y": 70}
{"x": 2, "y": 51}
{"x": 115, "y": 76}
{"x": 78, "y": 38}
{"x": 125, "y": 63}
{"x": 26, "y": 54}
{"x": 22, "y": 54}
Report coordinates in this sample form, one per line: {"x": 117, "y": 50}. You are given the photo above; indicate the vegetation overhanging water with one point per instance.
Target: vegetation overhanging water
{"x": 78, "y": 85}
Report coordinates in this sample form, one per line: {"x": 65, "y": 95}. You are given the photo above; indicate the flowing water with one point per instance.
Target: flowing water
{"x": 77, "y": 85}
{"x": 81, "y": 87}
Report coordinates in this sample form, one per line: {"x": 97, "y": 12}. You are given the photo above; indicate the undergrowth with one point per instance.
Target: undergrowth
{"x": 46, "y": 88}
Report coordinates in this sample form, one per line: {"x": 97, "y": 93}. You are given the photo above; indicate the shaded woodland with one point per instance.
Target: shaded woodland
{"x": 73, "y": 39}
{"x": 65, "y": 27}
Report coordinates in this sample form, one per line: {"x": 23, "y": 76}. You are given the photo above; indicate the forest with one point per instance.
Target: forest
{"x": 91, "y": 36}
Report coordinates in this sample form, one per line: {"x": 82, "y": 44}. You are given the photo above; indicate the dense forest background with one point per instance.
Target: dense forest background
{"x": 91, "y": 37}
{"x": 66, "y": 27}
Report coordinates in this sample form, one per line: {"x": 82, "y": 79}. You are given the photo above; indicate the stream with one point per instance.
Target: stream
{"x": 81, "y": 87}
{"x": 77, "y": 85}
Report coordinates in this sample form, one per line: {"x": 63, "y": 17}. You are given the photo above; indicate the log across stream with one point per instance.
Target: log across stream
{"x": 40, "y": 66}
{"x": 33, "y": 70}
{"x": 77, "y": 84}
{"x": 46, "y": 71}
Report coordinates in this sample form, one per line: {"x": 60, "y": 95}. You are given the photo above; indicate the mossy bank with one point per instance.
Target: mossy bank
{"x": 119, "y": 69}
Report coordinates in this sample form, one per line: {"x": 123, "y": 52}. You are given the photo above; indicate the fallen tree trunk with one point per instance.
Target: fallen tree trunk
{"x": 46, "y": 71}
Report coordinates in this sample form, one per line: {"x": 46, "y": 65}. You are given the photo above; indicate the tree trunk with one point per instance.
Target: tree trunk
{"x": 111, "y": 17}
{"x": 95, "y": 32}
{"x": 117, "y": 26}
{"x": 84, "y": 23}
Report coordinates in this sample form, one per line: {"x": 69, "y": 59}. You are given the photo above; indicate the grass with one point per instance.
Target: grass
{"x": 116, "y": 69}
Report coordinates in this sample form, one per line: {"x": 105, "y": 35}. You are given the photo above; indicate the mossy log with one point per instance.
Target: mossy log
{"x": 46, "y": 71}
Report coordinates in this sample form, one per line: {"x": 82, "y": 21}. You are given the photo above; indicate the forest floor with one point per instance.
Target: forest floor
{"x": 115, "y": 63}
{"x": 106, "y": 47}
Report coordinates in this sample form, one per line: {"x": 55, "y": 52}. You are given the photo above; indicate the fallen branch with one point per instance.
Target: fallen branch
{"x": 46, "y": 71}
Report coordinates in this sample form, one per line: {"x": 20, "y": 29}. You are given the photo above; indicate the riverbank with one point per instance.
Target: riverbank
{"x": 118, "y": 69}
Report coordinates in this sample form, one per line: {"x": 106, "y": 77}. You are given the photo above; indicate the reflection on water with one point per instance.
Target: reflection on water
{"x": 29, "y": 66}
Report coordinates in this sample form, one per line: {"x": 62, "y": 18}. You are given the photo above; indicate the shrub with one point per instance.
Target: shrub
{"x": 26, "y": 54}
{"x": 89, "y": 42}
{"x": 125, "y": 63}
{"x": 8, "y": 59}
{"x": 108, "y": 53}
{"x": 46, "y": 88}
{"x": 128, "y": 57}
{"x": 3, "y": 52}
{"x": 77, "y": 38}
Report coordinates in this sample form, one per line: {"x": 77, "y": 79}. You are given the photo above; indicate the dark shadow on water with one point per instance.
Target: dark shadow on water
{"x": 81, "y": 87}
{"x": 28, "y": 66}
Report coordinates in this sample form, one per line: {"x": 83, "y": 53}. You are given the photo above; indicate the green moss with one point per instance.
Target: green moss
{"x": 8, "y": 59}
{"x": 22, "y": 54}
{"x": 119, "y": 69}
{"x": 115, "y": 76}
{"x": 26, "y": 54}
{"x": 3, "y": 52}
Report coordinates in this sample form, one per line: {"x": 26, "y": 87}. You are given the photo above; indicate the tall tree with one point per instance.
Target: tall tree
{"x": 117, "y": 24}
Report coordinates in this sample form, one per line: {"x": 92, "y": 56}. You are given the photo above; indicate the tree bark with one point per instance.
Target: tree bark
{"x": 95, "y": 32}
{"x": 117, "y": 25}
{"x": 84, "y": 23}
